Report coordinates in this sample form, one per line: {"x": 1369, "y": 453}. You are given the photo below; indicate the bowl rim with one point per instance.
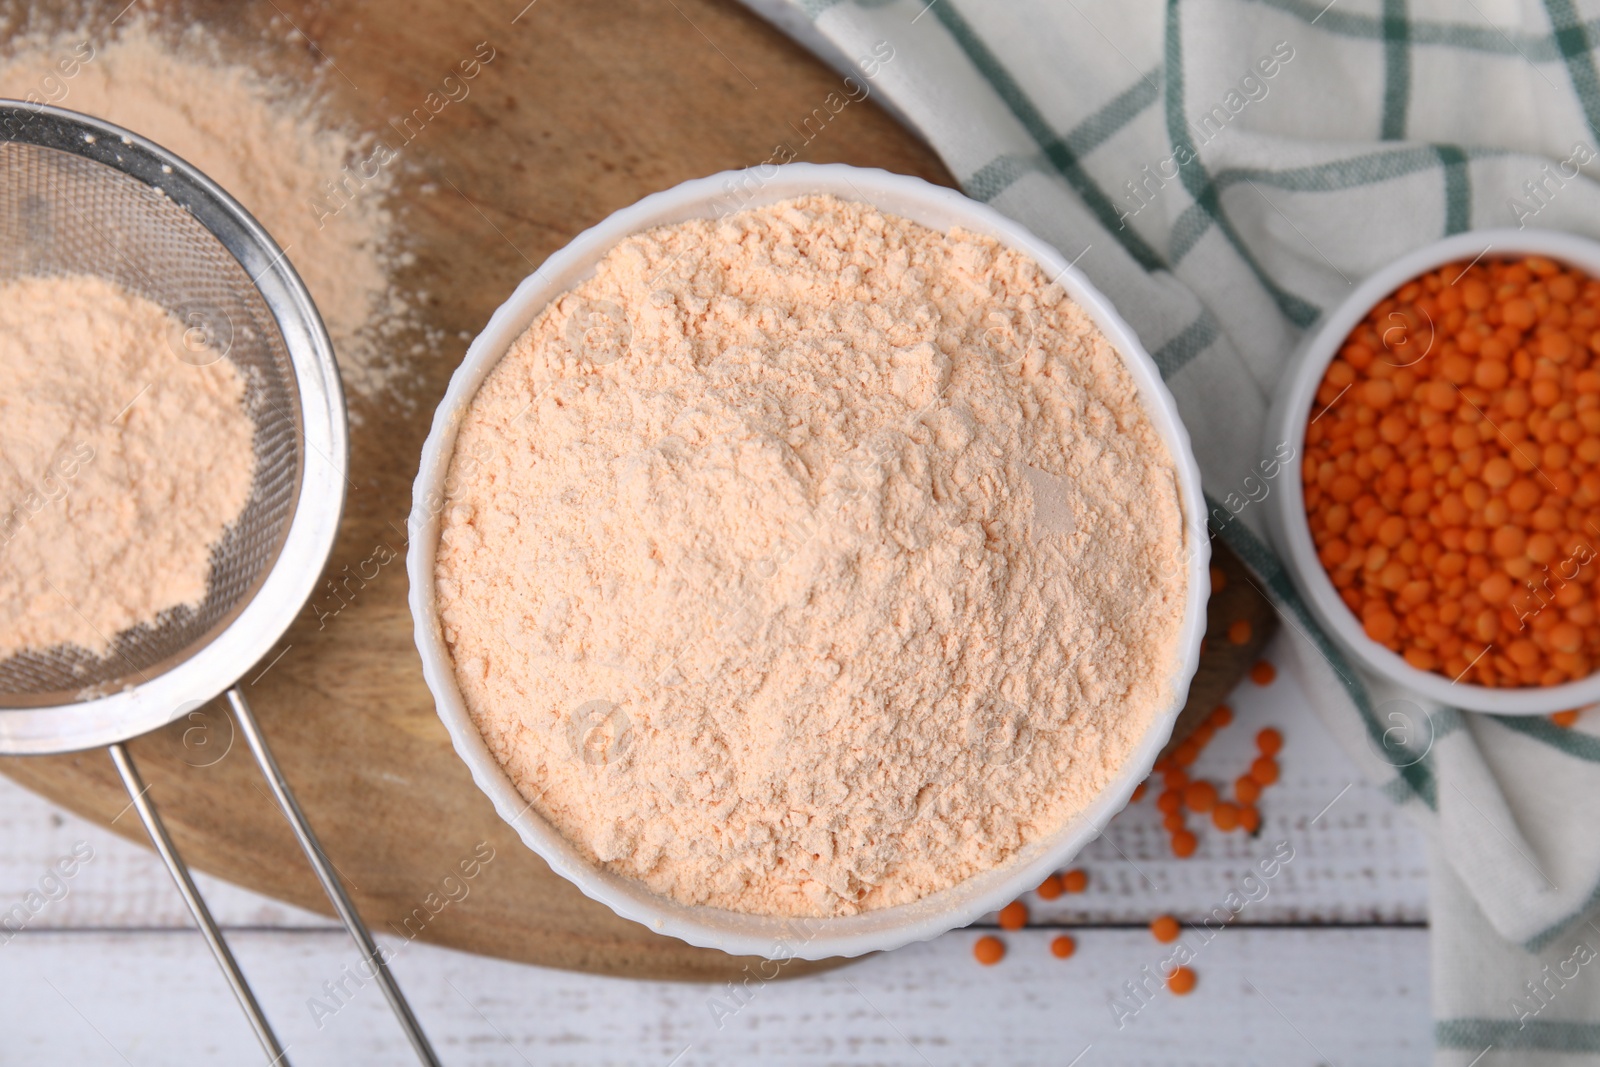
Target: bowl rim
{"x": 769, "y": 936}
{"x": 1290, "y": 417}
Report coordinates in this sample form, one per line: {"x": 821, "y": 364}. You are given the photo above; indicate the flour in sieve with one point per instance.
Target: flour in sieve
{"x": 120, "y": 463}
{"x": 810, "y": 561}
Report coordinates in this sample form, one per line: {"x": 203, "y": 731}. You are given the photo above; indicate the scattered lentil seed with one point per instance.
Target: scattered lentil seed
{"x": 1200, "y": 796}
{"x": 1264, "y": 770}
{"x": 1246, "y": 790}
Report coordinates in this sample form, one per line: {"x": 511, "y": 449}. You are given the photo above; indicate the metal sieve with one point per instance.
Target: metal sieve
{"x": 81, "y": 196}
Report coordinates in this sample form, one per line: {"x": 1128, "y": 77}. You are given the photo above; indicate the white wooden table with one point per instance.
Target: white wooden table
{"x": 1329, "y": 967}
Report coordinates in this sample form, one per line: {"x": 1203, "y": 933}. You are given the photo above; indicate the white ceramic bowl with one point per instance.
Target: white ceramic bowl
{"x": 732, "y": 932}
{"x": 1286, "y": 516}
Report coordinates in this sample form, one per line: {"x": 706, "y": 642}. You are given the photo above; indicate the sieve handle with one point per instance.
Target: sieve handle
{"x": 329, "y": 879}
{"x": 197, "y": 904}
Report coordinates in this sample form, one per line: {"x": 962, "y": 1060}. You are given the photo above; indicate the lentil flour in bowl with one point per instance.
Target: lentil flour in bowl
{"x": 807, "y": 561}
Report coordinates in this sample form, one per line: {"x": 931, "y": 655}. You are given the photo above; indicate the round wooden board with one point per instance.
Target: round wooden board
{"x": 585, "y": 108}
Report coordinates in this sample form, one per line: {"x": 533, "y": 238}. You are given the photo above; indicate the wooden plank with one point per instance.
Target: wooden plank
{"x": 1358, "y": 857}
{"x": 120, "y": 886}
{"x": 1362, "y": 861}
{"x": 1270, "y": 996}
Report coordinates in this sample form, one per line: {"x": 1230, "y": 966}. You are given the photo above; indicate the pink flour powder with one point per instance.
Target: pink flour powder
{"x": 810, "y": 561}
{"x": 120, "y": 463}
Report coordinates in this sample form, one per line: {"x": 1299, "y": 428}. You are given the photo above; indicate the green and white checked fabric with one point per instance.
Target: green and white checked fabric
{"x": 1225, "y": 171}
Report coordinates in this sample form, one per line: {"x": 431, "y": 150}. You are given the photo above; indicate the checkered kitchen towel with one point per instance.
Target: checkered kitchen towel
{"x": 1224, "y": 170}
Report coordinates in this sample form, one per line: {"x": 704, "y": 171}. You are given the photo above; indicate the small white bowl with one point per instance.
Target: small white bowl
{"x": 1286, "y": 517}
{"x": 888, "y": 928}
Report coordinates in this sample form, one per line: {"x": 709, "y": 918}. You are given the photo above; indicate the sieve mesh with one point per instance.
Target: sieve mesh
{"x": 62, "y": 214}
